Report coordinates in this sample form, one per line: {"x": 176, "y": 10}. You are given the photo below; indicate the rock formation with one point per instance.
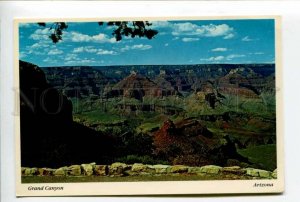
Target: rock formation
{"x": 236, "y": 83}
{"x": 137, "y": 86}
{"x": 191, "y": 143}
{"x": 77, "y": 81}
{"x": 49, "y": 137}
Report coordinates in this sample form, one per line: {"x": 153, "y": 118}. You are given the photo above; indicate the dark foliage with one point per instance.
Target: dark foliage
{"x": 132, "y": 29}
{"x": 122, "y": 28}
{"x": 57, "y": 30}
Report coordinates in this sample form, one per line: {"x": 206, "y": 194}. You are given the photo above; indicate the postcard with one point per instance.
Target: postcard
{"x": 148, "y": 106}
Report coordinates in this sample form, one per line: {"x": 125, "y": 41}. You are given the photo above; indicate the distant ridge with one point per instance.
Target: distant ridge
{"x": 135, "y": 65}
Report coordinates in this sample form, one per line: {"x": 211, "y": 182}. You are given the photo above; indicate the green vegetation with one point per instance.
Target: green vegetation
{"x": 131, "y": 159}
{"x": 263, "y": 155}
{"x": 263, "y": 106}
{"x": 147, "y": 127}
{"x": 99, "y": 117}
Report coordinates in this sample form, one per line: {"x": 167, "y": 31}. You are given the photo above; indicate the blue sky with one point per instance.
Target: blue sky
{"x": 178, "y": 42}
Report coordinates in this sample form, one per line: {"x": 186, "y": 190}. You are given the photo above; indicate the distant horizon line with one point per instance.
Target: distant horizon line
{"x": 161, "y": 65}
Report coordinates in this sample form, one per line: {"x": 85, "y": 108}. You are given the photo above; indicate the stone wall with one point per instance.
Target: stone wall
{"x": 137, "y": 169}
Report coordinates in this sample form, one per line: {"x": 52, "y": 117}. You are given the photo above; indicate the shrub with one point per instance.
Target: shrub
{"x": 131, "y": 159}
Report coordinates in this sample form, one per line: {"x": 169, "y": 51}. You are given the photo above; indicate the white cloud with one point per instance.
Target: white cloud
{"x": 37, "y": 52}
{"x": 87, "y": 61}
{"x": 141, "y": 47}
{"x": 106, "y": 52}
{"x": 163, "y": 33}
{"x": 270, "y": 62}
{"x": 81, "y": 61}
{"x": 257, "y": 53}
{"x": 103, "y": 38}
{"x": 39, "y": 45}
{"x": 212, "y": 59}
{"x": 78, "y": 50}
{"x": 186, "y": 28}
{"x": 41, "y": 34}
{"x": 136, "y": 47}
{"x": 88, "y": 49}
{"x": 222, "y": 58}
{"x": 211, "y": 30}
{"x": 229, "y": 36}
{"x": 91, "y": 49}
{"x": 215, "y": 30}
{"x": 47, "y": 60}
{"x": 70, "y": 62}
{"x": 190, "y": 29}
{"x": 247, "y": 38}
{"x": 50, "y": 60}
{"x": 70, "y": 57}
{"x": 22, "y": 55}
{"x": 126, "y": 48}
{"x": 232, "y": 56}
{"x": 219, "y": 49}
{"x": 74, "y": 59}
{"x": 218, "y": 58}
{"x": 27, "y": 25}
{"x": 110, "y": 27}
{"x": 40, "y": 48}
{"x": 161, "y": 24}
{"x": 55, "y": 52}
{"x": 79, "y": 37}
{"x": 190, "y": 39}
{"x": 36, "y": 45}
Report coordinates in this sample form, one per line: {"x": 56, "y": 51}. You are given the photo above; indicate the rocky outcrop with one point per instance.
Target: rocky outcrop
{"x": 178, "y": 169}
{"x": 40, "y": 98}
{"x": 118, "y": 169}
{"x": 101, "y": 170}
{"x": 60, "y": 171}
{"x": 45, "y": 171}
{"x": 191, "y": 143}
{"x": 88, "y": 168}
{"x": 169, "y": 82}
{"x": 74, "y": 170}
{"x": 210, "y": 169}
{"x": 49, "y": 137}
{"x": 137, "y": 86}
{"x": 161, "y": 169}
{"x": 122, "y": 170}
{"x": 241, "y": 82}
{"x": 29, "y": 171}
{"x": 77, "y": 81}
{"x": 259, "y": 173}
